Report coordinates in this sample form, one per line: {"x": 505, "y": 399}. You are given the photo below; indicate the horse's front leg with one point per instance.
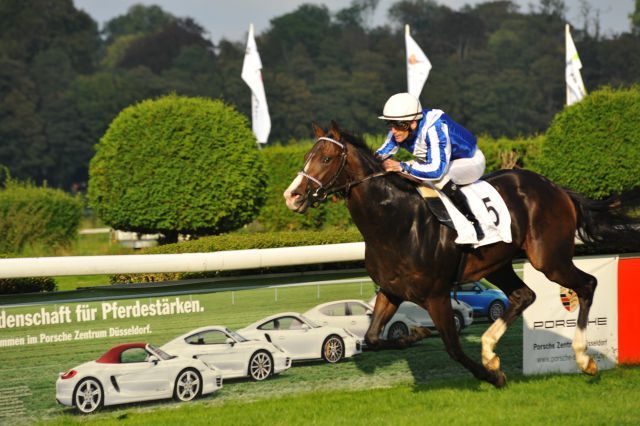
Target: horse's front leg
{"x": 442, "y": 315}
{"x": 384, "y": 309}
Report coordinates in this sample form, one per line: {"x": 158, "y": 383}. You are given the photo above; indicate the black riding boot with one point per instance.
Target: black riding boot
{"x": 459, "y": 200}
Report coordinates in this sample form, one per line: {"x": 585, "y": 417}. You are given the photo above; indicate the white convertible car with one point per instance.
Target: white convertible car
{"x": 135, "y": 372}
{"x": 303, "y": 339}
{"x": 234, "y": 355}
{"x": 355, "y": 316}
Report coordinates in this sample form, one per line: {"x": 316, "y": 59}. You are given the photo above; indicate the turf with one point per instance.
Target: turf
{"x": 413, "y": 386}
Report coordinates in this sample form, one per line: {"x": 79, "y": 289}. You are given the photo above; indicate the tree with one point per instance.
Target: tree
{"x": 635, "y": 20}
{"x": 177, "y": 165}
{"x": 592, "y": 146}
{"x": 139, "y": 20}
{"x": 157, "y": 51}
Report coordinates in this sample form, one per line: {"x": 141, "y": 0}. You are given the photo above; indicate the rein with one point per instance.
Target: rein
{"x": 322, "y": 191}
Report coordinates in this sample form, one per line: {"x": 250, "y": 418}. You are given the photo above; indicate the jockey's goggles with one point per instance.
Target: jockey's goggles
{"x": 398, "y": 125}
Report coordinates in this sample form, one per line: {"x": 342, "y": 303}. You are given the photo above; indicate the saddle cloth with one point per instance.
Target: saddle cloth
{"x": 488, "y": 207}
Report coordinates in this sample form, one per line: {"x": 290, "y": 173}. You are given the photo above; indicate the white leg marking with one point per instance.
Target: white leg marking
{"x": 579, "y": 346}
{"x": 490, "y": 338}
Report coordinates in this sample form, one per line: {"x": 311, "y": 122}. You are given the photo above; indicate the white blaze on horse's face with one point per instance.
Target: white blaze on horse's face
{"x": 292, "y": 199}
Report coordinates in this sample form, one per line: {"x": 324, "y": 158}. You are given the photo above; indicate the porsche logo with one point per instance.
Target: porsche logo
{"x": 569, "y": 299}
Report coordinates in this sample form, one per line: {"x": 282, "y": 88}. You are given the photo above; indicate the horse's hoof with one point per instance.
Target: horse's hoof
{"x": 493, "y": 364}
{"x": 500, "y": 379}
{"x": 592, "y": 368}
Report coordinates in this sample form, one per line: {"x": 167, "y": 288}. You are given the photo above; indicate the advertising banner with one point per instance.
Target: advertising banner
{"x": 550, "y": 323}
{"x": 628, "y": 312}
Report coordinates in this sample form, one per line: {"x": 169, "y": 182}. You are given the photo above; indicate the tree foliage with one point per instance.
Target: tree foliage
{"x": 592, "y": 146}
{"x": 496, "y": 69}
{"x": 177, "y": 165}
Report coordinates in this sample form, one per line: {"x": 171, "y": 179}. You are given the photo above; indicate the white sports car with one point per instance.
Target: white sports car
{"x": 303, "y": 339}
{"x": 355, "y": 315}
{"x": 230, "y": 352}
{"x": 134, "y": 372}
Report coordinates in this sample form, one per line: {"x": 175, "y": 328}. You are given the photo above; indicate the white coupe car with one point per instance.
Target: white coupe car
{"x": 234, "y": 355}
{"x": 303, "y": 339}
{"x": 355, "y": 316}
{"x": 135, "y": 372}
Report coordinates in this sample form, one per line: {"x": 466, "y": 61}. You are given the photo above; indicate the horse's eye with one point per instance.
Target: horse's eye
{"x": 326, "y": 160}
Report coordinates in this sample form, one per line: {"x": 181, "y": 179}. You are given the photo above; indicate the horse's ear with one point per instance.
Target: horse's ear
{"x": 317, "y": 130}
{"x": 335, "y": 129}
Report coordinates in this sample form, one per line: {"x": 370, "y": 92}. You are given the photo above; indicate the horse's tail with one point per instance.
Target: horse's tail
{"x": 613, "y": 223}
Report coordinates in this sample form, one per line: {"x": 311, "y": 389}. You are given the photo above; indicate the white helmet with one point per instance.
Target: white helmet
{"x": 402, "y": 107}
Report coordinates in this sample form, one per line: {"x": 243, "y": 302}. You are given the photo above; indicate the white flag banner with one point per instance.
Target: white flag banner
{"x": 252, "y": 75}
{"x": 418, "y": 65}
{"x": 575, "y": 87}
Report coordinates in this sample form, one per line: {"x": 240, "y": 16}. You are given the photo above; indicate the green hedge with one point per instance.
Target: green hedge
{"x": 177, "y": 165}
{"x": 238, "y": 241}
{"x": 27, "y": 285}
{"x": 593, "y": 146}
{"x": 36, "y": 215}
{"x": 504, "y": 153}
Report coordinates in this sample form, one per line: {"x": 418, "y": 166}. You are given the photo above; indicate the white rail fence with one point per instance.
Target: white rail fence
{"x": 187, "y": 262}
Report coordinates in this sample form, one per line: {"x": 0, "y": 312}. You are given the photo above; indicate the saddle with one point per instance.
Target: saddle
{"x": 486, "y": 204}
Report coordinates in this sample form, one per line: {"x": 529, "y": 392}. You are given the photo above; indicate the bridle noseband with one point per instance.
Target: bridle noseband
{"x": 324, "y": 190}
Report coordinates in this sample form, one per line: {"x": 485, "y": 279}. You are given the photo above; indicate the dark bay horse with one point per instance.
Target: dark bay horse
{"x": 411, "y": 256}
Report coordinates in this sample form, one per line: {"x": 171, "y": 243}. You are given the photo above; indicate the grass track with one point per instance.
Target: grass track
{"x": 375, "y": 387}
{"x": 611, "y": 398}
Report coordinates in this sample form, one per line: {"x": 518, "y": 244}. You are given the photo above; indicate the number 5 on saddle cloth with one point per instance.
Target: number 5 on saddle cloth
{"x": 485, "y": 203}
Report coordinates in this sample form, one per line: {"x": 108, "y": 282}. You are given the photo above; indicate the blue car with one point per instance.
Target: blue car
{"x": 489, "y": 302}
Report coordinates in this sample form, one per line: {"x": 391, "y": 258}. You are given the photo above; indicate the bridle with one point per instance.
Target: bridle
{"x": 323, "y": 190}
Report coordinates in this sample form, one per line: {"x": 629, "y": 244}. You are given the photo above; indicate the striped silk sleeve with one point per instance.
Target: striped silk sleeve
{"x": 437, "y": 153}
{"x": 388, "y": 148}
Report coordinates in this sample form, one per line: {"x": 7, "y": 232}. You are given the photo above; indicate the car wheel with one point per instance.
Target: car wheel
{"x": 496, "y": 309}
{"x": 188, "y": 385}
{"x": 260, "y": 366}
{"x": 88, "y": 396}
{"x": 333, "y": 349}
{"x": 458, "y": 321}
{"x": 397, "y": 330}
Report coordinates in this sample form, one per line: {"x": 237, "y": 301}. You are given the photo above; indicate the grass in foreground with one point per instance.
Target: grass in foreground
{"x": 611, "y": 398}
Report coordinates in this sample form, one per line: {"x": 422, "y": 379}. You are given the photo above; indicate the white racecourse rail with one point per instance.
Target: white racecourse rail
{"x": 186, "y": 262}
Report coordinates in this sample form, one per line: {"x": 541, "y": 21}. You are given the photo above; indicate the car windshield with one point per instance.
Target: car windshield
{"x": 310, "y": 322}
{"x": 236, "y": 336}
{"x": 161, "y": 354}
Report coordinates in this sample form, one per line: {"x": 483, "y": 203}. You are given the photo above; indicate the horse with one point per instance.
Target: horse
{"x": 411, "y": 256}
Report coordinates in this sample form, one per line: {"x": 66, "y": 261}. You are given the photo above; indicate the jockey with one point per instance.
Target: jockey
{"x": 444, "y": 152}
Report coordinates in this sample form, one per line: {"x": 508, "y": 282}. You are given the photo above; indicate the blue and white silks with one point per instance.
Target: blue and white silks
{"x": 437, "y": 141}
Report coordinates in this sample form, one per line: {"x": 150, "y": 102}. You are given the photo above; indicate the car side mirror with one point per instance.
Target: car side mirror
{"x": 231, "y": 342}
{"x": 154, "y": 359}
{"x": 305, "y": 327}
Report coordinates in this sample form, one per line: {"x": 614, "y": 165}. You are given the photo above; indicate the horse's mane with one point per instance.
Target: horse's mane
{"x": 369, "y": 157}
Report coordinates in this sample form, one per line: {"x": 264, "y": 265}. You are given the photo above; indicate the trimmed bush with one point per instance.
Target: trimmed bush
{"x": 27, "y": 285}
{"x": 593, "y": 146}
{"x": 177, "y": 165}
{"x": 37, "y": 215}
{"x": 244, "y": 242}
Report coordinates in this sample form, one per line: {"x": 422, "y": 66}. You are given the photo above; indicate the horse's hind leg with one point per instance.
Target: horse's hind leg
{"x": 520, "y": 297}
{"x": 568, "y": 275}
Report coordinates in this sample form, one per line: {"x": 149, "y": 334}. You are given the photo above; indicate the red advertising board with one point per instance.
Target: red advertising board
{"x": 628, "y": 312}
